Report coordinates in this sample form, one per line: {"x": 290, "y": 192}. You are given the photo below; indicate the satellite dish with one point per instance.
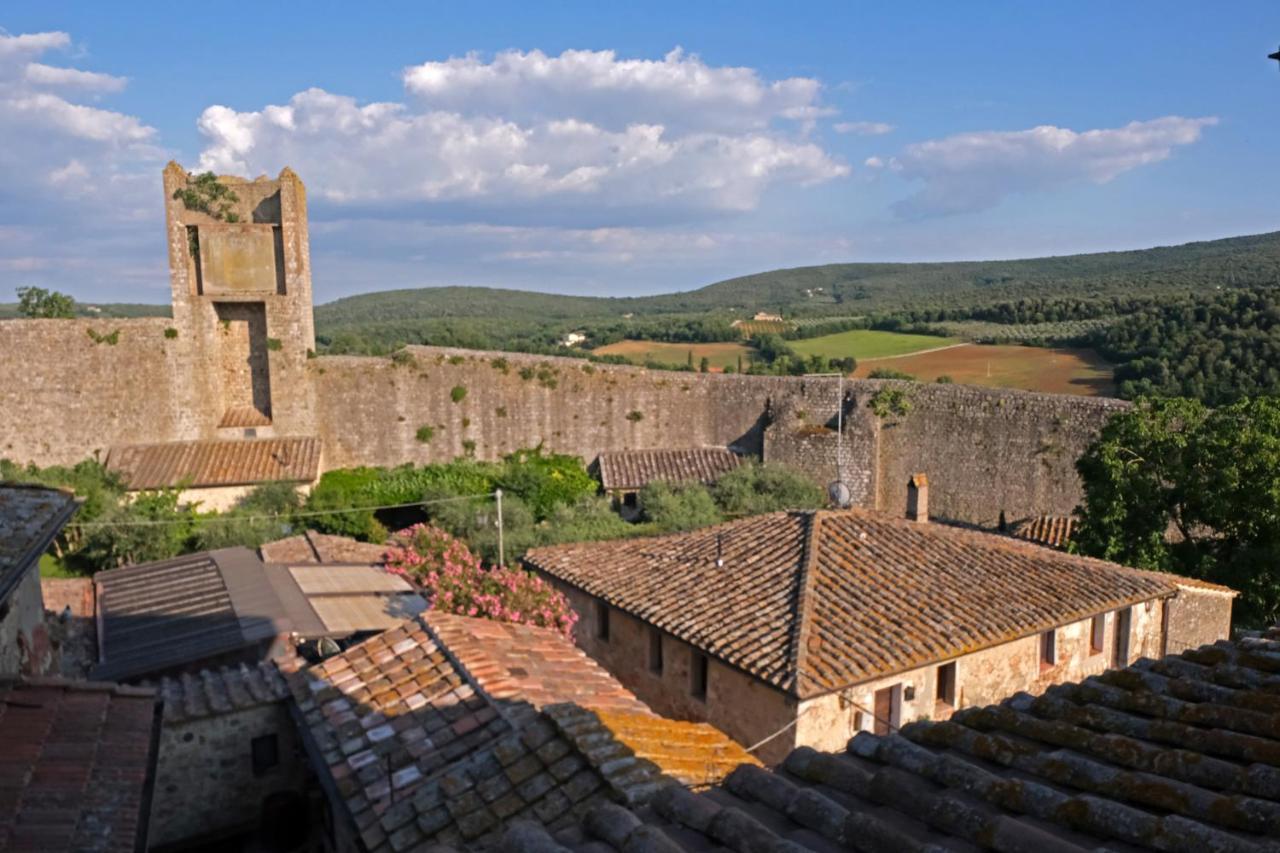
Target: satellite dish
{"x": 327, "y": 647}
{"x": 838, "y": 493}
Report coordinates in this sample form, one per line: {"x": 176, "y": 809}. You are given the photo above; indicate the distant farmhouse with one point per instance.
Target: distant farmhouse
{"x": 806, "y": 627}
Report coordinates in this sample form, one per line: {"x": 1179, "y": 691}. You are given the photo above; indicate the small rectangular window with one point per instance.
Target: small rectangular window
{"x": 1048, "y": 648}
{"x": 1097, "y": 634}
{"x": 698, "y": 676}
{"x": 266, "y": 753}
{"x": 655, "y": 651}
{"x": 946, "y": 692}
{"x": 602, "y": 621}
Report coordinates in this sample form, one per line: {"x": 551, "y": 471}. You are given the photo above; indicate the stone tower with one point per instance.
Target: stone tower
{"x": 240, "y": 268}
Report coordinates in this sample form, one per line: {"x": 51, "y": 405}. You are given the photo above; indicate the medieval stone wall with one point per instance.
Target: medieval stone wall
{"x": 369, "y": 410}
{"x": 66, "y": 396}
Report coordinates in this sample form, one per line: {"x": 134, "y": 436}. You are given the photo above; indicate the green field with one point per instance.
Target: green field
{"x": 867, "y": 343}
{"x": 719, "y": 355}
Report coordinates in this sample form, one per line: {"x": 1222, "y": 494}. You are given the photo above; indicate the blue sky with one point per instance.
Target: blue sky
{"x": 602, "y": 149}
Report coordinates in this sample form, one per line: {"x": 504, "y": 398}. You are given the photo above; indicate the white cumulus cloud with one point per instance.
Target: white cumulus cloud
{"x": 51, "y": 75}
{"x": 863, "y": 128}
{"x": 976, "y": 171}
{"x": 582, "y": 130}
{"x": 70, "y": 170}
{"x": 678, "y": 91}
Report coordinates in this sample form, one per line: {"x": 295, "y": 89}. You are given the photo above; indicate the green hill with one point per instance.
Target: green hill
{"x": 844, "y": 289}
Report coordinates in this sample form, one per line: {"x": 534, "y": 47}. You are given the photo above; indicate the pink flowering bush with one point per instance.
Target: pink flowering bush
{"x": 456, "y": 582}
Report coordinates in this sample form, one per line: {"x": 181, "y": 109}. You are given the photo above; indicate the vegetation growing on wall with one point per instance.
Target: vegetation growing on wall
{"x": 890, "y": 402}
{"x": 110, "y": 338}
{"x": 206, "y": 194}
{"x": 458, "y": 393}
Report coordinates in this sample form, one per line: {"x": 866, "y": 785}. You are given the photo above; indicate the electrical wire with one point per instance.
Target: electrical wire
{"x": 283, "y": 516}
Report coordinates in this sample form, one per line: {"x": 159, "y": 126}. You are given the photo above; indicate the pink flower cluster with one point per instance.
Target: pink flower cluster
{"x": 456, "y": 582}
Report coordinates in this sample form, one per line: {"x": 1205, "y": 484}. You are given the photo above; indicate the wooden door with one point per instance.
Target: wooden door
{"x": 884, "y": 710}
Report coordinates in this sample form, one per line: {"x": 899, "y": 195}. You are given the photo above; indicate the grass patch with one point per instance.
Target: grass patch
{"x": 868, "y": 343}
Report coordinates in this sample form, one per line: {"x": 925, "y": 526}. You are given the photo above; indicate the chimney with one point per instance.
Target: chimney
{"x": 918, "y": 498}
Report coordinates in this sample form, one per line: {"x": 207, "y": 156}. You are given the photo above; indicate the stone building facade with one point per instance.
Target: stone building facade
{"x": 229, "y": 760}
{"x": 786, "y": 636}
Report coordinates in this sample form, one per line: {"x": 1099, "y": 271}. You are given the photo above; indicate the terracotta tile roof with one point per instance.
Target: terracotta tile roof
{"x": 314, "y": 547}
{"x": 521, "y": 663}
{"x": 813, "y": 602}
{"x": 76, "y": 760}
{"x": 1178, "y": 754}
{"x": 175, "y": 613}
{"x": 447, "y": 728}
{"x": 210, "y": 692}
{"x": 1053, "y": 531}
{"x": 695, "y": 754}
{"x": 634, "y": 469}
{"x": 196, "y": 464}
{"x": 244, "y": 416}
{"x": 30, "y": 517}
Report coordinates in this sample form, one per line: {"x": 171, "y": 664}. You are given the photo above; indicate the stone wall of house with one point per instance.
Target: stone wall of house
{"x": 739, "y": 705}
{"x": 205, "y": 781}
{"x": 982, "y": 678}
{"x": 25, "y": 646}
{"x": 750, "y": 711}
{"x": 1198, "y": 617}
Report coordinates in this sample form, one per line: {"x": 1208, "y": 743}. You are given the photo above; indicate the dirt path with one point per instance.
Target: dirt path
{"x": 917, "y": 352}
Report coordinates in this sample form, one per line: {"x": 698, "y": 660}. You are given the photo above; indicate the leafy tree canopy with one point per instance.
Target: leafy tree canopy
{"x": 1174, "y": 486}
{"x": 38, "y": 302}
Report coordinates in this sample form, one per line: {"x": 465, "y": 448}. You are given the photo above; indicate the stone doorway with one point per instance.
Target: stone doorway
{"x": 243, "y": 364}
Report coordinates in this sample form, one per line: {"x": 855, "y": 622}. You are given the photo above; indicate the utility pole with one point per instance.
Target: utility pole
{"x": 502, "y": 554}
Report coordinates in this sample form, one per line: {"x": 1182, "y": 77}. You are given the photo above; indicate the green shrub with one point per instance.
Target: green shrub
{"x": 274, "y": 344}
{"x": 171, "y": 333}
{"x": 544, "y": 480}
{"x": 681, "y": 506}
{"x": 343, "y": 488}
{"x": 121, "y": 541}
{"x": 402, "y": 358}
{"x": 425, "y": 433}
{"x": 458, "y": 393}
{"x": 263, "y": 515}
{"x": 890, "y": 373}
{"x": 635, "y": 416}
{"x": 755, "y": 488}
